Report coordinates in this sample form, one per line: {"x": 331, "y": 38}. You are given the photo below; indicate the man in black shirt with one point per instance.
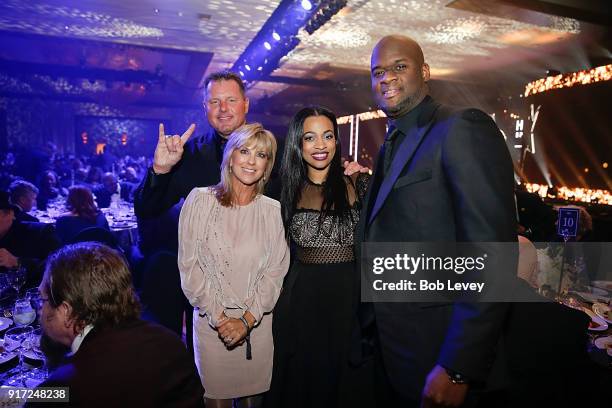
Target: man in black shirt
{"x": 181, "y": 164}
{"x": 24, "y": 244}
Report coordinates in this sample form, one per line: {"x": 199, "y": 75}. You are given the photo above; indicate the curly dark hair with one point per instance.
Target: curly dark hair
{"x": 95, "y": 281}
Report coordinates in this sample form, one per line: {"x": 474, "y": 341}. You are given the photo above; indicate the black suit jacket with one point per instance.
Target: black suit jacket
{"x": 31, "y": 242}
{"x": 23, "y": 216}
{"x": 199, "y": 167}
{"x": 455, "y": 184}
{"x": 138, "y": 364}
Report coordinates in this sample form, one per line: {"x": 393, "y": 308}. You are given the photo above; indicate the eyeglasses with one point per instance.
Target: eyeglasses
{"x": 41, "y": 301}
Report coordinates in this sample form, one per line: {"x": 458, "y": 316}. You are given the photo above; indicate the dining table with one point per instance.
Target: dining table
{"x": 120, "y": 217}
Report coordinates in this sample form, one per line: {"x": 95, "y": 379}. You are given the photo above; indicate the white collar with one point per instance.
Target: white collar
{"x": 76, "y": 343}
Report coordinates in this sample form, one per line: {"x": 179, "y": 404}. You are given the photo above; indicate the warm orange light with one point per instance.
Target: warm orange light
{"x": 100, "y": 148}
{"x": 585, "y": 77}
{"x": 533, "y": 36}
{"x": 585, "y": 195}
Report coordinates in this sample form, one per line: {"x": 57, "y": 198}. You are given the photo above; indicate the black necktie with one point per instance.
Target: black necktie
{"x": 388, "y": 147}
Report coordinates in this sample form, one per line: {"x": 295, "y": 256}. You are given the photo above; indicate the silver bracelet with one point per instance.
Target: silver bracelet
{"x": 246, "y": 324}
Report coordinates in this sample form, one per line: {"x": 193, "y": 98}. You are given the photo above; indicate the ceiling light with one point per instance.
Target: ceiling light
{"x": 306, "y": 5}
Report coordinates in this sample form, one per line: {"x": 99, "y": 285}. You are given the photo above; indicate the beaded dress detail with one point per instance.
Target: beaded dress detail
{"x": 325, "y": 238}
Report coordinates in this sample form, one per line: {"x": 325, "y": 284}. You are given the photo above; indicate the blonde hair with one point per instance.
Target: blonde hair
{"x": 246, "y": 135}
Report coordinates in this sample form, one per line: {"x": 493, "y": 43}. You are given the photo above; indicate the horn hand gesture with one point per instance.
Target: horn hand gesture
{"x": 169, "y": 149}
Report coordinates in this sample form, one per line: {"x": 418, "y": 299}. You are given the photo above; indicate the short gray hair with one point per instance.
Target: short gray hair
{"x": 19, "y": 188}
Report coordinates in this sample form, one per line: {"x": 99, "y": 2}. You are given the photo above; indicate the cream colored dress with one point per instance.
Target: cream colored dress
{"x": 232, "y": 260}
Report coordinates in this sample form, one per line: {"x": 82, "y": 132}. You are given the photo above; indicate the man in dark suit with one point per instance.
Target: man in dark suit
{"x": 23, "y": 197}
{"x": 25, "y": 244}
{"x": 442, "y": 175}
{"x": 90, "y": 305}
{"x": 110, "y": 187}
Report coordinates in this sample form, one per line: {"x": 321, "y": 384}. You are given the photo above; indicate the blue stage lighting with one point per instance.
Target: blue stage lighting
{"x": 267, "y": 45}
{"x": 248, "y": 68}
{"x": 276, "y": 36}
{"x": 306, "y": 5}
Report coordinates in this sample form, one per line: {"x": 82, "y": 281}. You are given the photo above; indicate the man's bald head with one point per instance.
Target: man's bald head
{"x": 407, "y": 44}
{"x": 399, "y": 74}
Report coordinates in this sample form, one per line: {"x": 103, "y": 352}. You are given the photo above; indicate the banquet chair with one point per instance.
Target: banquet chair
{"x": 97, "y": 234}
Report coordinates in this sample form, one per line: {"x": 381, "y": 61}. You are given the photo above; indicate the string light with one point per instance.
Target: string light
{"x": 585, "y": 77}
{"x": 362, "y": 116}
{"x": 584, "y": 195}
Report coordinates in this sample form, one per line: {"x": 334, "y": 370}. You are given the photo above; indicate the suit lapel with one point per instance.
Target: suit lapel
{"x": 403, "y": 156}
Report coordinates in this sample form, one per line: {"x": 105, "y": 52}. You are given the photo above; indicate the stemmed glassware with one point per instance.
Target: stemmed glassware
{"x": 16, "y": 278}
{"x": 18, "y": 339}
{"x": 40, "y": 374}
{"x": 23, "y": 312}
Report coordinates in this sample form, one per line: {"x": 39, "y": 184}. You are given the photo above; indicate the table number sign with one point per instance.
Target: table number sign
{"x": 567, "y": 225}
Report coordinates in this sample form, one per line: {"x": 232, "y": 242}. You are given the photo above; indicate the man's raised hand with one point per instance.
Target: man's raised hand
{"x": 169, "y": 149}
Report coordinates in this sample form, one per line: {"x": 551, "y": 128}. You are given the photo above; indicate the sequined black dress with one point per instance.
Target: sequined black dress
{"x": 316, "y": 306}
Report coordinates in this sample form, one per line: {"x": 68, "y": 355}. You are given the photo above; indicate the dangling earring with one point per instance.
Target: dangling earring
{"x": 230, "y": 169}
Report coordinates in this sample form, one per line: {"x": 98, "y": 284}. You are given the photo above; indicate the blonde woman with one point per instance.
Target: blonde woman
{"x": 233, "y": 257}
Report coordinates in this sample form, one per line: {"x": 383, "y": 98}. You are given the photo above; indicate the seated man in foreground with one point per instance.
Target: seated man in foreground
{"x": 89, "y": 305}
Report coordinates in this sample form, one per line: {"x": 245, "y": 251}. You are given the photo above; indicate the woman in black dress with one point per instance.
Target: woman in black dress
{"x": 313, "y": 317}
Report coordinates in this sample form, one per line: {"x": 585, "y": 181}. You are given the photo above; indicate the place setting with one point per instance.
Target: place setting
{"x": 21, "y": 358}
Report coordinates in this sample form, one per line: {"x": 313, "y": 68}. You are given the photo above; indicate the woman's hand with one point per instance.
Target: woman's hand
{"x": 354, "y": 167}
{"x": 232, "y": 331}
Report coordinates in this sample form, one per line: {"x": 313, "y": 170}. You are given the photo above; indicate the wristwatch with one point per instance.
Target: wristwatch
{"x": 455, "y": 377}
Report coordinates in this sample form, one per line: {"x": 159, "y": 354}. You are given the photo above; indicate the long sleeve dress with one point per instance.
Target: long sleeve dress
{"x": 232, "y": 259}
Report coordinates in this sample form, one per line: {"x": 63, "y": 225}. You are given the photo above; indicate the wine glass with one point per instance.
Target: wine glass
{"x": 32, "y": 294}
{"x": 4, "y": 283}
{"x": 15, "y": 340}
{"x": 23, "y": 312}
{"x": 40, "y": 374}
{"x": 16, "y": 278}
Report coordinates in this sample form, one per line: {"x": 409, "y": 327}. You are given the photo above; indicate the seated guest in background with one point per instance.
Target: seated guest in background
{"x": 110, "y": 186}
{"x": 536, "y": 219}
{"x": 48, "y": 189}
{"x": 94, "y": 177}
{"x": 23, "y": 197}
{"x": 83, "y": 214}
{"x": 89, "y": 305}
{"x": 130, "y": 175}
{"x": 232, "y": 258}
{"x": 25, "y": 244}
{"x": 80, "y": 175}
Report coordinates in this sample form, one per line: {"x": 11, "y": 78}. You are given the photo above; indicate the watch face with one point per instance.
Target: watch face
{"x": 456, "y": 378}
